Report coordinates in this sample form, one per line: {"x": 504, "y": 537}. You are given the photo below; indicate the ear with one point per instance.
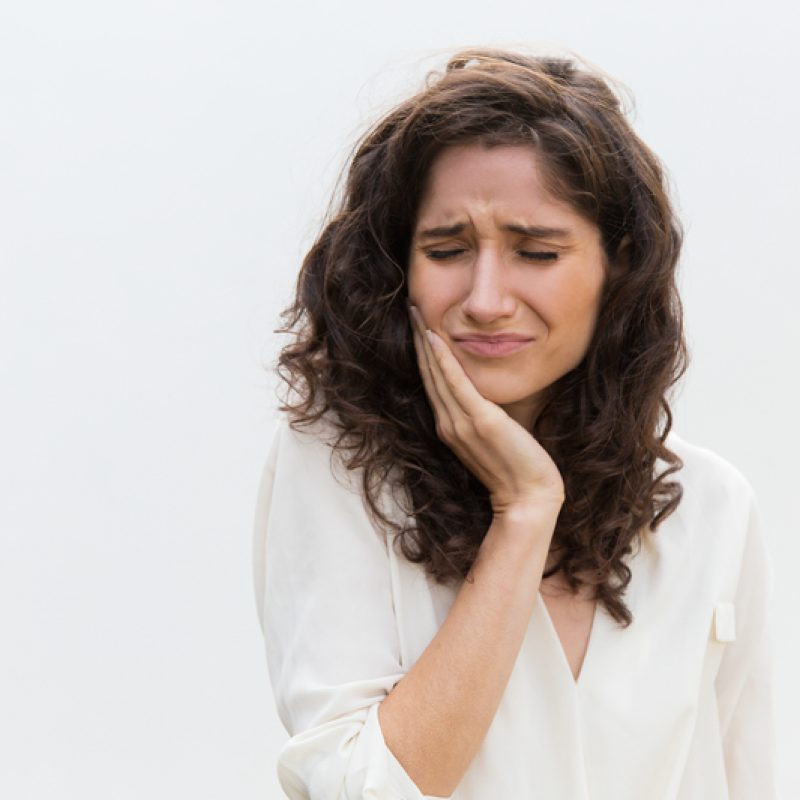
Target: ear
{"x": 621, "y": 262}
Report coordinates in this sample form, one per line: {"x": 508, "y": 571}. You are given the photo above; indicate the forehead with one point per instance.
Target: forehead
{"x": 503, "y": 177}
{"x": 508, "y": 183}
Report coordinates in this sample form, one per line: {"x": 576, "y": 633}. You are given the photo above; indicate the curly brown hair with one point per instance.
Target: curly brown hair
{"x": 604, "y": 423}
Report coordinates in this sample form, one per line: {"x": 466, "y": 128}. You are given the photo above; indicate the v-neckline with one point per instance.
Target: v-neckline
{"x": 576, "y": 682}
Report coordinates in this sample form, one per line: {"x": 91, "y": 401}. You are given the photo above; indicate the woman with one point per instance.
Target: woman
{"x": 485, "y": 565}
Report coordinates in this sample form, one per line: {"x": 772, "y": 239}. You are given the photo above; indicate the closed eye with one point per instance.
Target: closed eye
{"x": 538, "y": 255}
{"x": 441, "y": 255}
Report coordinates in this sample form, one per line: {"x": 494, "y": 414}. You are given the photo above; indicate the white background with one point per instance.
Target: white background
{"x": 164, "y": 166}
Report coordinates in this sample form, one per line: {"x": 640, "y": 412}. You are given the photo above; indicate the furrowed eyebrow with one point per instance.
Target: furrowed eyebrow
{"x": 534, "y": 231}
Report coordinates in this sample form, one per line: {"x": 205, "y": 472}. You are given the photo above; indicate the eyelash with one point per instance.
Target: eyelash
{"x": 441, "y": 255}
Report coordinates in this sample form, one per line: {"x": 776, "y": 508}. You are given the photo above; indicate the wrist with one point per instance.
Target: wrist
{"x": 532, "y": 513}
{"x": 532, "y": 506}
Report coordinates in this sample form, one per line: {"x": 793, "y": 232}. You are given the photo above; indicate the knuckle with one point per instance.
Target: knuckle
{"x": 461, "y": 430}
{"x": 448, "y": 433}
{"x": 485, "y": 425}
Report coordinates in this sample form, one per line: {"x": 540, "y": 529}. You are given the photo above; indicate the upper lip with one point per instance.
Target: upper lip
{"x": 492, "y": 337}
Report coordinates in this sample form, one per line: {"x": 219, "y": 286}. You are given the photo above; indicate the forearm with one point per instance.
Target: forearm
{"x": 436, "y": 717}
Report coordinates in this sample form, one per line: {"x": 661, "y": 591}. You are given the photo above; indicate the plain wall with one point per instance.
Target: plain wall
{"x": 164, "y": 166}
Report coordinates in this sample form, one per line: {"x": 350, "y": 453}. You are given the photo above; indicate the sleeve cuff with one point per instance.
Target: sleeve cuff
{"x": 383, "y": 775}
{"x": 345, "y": 758}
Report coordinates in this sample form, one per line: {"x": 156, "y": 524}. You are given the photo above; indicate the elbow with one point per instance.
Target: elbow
{"x": 427, "y": 773}
{"x": 343, "y": 759}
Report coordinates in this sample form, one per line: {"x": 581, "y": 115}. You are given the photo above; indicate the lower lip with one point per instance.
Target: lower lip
{"x": 493, "y": 348}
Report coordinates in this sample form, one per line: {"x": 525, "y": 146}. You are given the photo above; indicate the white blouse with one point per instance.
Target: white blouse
{"x": 676, "y": 706}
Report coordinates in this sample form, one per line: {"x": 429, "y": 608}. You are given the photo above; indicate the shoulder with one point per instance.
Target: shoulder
{"x": 716, "y": 506}
{"x": 714, "y": 522}
{"x": 309, "y": 452}
{"x": 317, "y": 456}
{"x": 705, "y": 472}
{"x": 317, "y": 436}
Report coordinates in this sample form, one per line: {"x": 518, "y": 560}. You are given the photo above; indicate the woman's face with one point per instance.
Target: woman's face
{"x": 515, "y": 260}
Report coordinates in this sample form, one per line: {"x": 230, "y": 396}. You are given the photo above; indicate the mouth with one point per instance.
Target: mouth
{"x": 493, "y": 349}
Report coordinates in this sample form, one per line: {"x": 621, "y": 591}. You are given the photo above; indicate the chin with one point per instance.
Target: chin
{"x": 505, "y": 396}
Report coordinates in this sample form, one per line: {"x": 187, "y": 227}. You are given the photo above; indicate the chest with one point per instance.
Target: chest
{"x": 572, "y": 618}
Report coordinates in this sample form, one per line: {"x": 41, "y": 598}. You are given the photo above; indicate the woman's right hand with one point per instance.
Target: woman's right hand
{"x": 506, "y": 458}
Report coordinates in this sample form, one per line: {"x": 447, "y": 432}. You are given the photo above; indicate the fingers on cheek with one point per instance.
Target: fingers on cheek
{"x": 442, "y": 383}
{"x": 424, "y": 368}
{"x": 428, "y": 361}
{"x": 431, "y": 374}
{"x": 420, "y": 353}
{"x": 433, "y": 380}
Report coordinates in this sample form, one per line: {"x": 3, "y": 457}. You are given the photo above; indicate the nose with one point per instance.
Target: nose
{"x": 489, "y": 294}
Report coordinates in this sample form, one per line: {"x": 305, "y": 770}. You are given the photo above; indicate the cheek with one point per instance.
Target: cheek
{"x": 575, "y": 302}
{"x": 416, "y": 280}
{"x": 428, "y": 289}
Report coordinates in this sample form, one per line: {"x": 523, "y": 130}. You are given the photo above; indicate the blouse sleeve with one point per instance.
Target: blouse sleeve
{"x": 324, "y": 598}
{"x": 745, "y": 680}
